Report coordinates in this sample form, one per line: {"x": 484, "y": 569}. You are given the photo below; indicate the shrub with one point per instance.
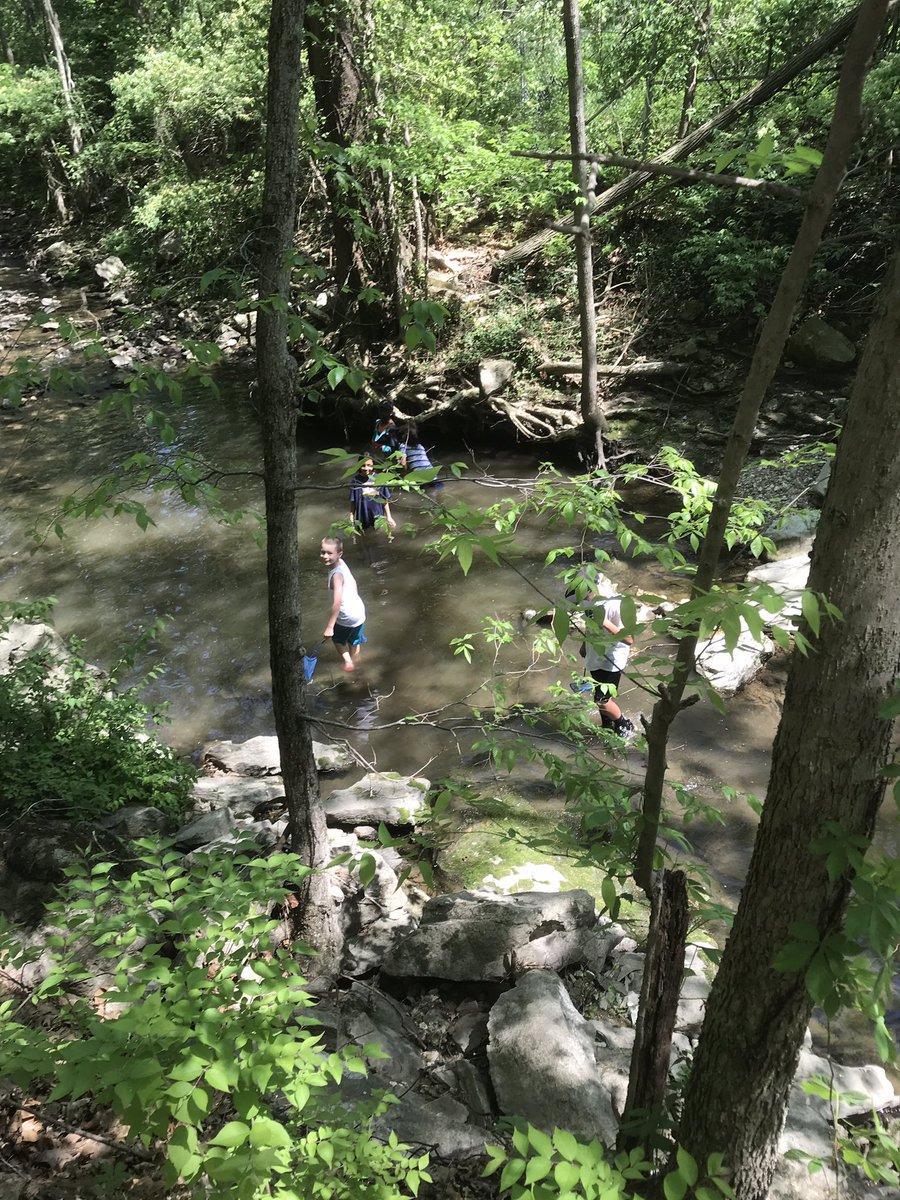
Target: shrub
{"x": 215, "y": 1052}
{"x": 75, "y": 744}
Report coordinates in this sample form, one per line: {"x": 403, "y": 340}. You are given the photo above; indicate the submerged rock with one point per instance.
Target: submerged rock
{"x": 378, "y": 796}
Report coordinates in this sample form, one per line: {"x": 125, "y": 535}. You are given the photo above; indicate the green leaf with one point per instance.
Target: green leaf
{"x": 566, "y": 1175}
{"x": 541, "y": 1142}
{"x": 266, "y": 1133}
{"x": 464, "y": 556}
{"x": 810, "y": 605}
{"x": 675, "y": 1187}
{"x": 511, "y": 1174}
{"x": 235, "y": 1133}
{"x": 367, "y": 869}
{"x": 566, "y": 1143}
{"x": 687, "y": 1166}
{"x": 537, "y": 1169}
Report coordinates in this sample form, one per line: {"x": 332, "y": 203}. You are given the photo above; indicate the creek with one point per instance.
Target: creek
{"x": 111, "y": 580}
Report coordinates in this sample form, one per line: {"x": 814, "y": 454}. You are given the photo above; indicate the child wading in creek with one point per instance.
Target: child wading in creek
{"x": 369, "y": 500}
{"x": 347, "y": 618}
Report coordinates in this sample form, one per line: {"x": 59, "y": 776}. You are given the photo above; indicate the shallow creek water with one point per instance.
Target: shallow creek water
{"x": 112, "y": 580}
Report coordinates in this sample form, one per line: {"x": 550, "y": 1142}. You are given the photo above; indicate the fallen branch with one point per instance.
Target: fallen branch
{"x": 687, "y": 174}
{"x": 639, "y": 368}
{"x": 57, "y": 1122}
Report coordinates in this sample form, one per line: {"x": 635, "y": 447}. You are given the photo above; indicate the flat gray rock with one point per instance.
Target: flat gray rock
{"x": 543, "y": 1062}
{"x": 260, "y": 756}
{"x": 479, "y": 935}
{"x": 238, "y": 793}
{"x": 378, "y": 796}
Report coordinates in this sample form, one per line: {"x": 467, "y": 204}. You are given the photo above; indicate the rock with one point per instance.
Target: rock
{"x": 787, "y": 578}
{"x": 368, "y": 1016}
{"x": 170, "y": 245}
{"x": 794, "y": 533}
{"x": 728, "y": 670}
{"x": 809, "y": 1125}
{"x": 819, "y": 346}
{"x": 241, "y": 794}
{"x": 692, "y": 1004}
{"x": 494, "y": 374}
{"x": 42, "y": 850}
{"x": 686, "y": 349}
{"x": 210, "y": 827}
{"x": 378, "y": 796}
{"x": 469, "y": 1031}
{"x": 820, "y": 486}
{"x": 135, "y": 821}
{"x": 478, "y": 935}
{"x": 542, "y": 1060}
{"x": 469, "y": 1085}
{"x": 24, "y": 638}
{"x": 111, "y": 269}
{"x": 59, "y": 258}
{"x": 439, "y": 1125}
{"x": 260, "y": 756}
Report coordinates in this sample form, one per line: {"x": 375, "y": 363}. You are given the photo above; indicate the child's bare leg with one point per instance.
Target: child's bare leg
{"x": 354, "y": 651}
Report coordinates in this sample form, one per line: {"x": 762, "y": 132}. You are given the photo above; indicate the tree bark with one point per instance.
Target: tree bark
{"x": 827, "y": 765}
{"x": 65, "y": 76}
{"x": 757, "y": 95}
{"x": 591, "y": 414}
{"x": 276, "y": 372}
{"x": 766, "y": 356}
{"x": 648, "y": 1076}
{"x": 704, "y": 23}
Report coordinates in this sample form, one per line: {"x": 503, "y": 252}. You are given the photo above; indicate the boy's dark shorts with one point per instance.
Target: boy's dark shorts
{"x": 348, "y": 635}
{"x": 604, "y": 681}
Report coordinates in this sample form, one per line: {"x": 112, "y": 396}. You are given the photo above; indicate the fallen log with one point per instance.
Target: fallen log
{"x": 757, "y": 95}
{"x": 638, "y": 368}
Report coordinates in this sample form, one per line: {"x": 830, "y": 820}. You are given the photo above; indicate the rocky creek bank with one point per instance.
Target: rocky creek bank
{"x": 487, "y": 1003}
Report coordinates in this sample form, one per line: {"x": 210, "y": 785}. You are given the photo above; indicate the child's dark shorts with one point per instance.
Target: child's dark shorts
{"x": 348, "y": 635}
{"x": 605, "y": 680}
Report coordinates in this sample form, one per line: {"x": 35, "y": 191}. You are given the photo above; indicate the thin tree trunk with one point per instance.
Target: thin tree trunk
{"x": 65, "y": 76}
{"x": 591, "y": 415}
{"x": 5, "y": 44}
{"x": 827, "y": 766}
{"x": 767, "y": 355}
{"x": 648, "y": 1076}
{"x": 277, "y": 370}
{"x": 704, "y": 24}
{"x": 757, "y": 95}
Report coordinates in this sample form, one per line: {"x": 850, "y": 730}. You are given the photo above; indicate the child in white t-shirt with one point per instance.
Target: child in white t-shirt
{"x": 346, "y": 621}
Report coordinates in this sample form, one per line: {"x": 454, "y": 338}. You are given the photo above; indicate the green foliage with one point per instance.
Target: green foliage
{"x": 214, "y": 1051}
{"x": 542, "y": 1166}
{"x": 73, "y": 743}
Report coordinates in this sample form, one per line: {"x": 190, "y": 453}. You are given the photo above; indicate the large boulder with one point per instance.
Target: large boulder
{"x": 25, "y": 638}
{"x": 242, "y": 794}
{"x": 480, "y": 935}
{"x": 378, "y": 796}
{"x": 818, "y": 345}
{"x": 543, "y": 1061}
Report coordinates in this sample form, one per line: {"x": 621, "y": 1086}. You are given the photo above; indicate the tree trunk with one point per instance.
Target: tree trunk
{"x": 5, "y": 44}
{"x": 276, "y": 371}
{"x": 751, "y": 99}
{"x": 591, "y": 415}
{"x": 766, "y": 356}
{"x": 704, "y": 24}
{"x": 337, "y": 86}
{"x": 65, "y": 76}
{"x": 827, "y": 765}
{"x": 648, "y": 1076}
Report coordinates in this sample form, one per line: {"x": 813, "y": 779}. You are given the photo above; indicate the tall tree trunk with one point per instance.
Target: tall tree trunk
{"x": 704, "y": 24}
{"x": 276, "y": 371}
{"x": 5, "y": 45}
{"x": 65, "y": 76}
{"x": 337, "y": 87}
{"x": 591, "y": 416}
{"x": 767, "y": 355}
{"x": 827, "y": 765}
{"x": 757, "y": 95}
